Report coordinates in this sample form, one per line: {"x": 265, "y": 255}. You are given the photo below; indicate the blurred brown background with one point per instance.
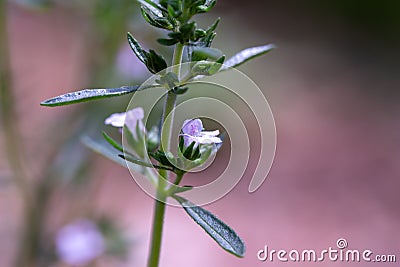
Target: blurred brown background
{"x": 332, "y": 85}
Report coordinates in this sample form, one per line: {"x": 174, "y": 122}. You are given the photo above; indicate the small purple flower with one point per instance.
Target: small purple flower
{"x": 131, "y": 118}
{"x": 79, "y": 242}
{"x": 193, "y": 132}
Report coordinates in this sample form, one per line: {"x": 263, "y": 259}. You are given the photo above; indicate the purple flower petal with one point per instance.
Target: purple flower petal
{"x": 79, "y": 243}
{"x": 193, "y": 132}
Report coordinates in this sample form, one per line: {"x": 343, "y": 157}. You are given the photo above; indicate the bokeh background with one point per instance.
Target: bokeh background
{"x": 333, "y": 86}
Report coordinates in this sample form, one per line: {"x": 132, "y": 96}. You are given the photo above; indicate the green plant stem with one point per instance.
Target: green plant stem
{"x": 170, "y": 101}
{"x": 159, "y": 206}
{"x": 158, "y": 223}
{"x": 179, "y": 177}
{"x": 177, "y": 59}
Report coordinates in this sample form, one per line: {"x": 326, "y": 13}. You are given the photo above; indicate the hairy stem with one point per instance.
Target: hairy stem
{"x": 159, "y": 206}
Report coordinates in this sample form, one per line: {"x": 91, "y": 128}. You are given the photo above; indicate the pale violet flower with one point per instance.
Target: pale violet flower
{"x": 79, "y": 242}
{"x": 192, "y": 131}
{"x": 131, "y": 118}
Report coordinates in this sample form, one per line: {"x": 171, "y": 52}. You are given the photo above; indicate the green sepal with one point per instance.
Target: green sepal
{"x": 181, "y": 143}
{"x": 196, "y": 153}
{"x": 224, "y": 235}
{"x": 188, "y": 151}
{"x": 88, "y": 95}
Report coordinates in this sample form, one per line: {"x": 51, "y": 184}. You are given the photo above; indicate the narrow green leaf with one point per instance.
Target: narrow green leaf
{"x": 247, "y": 54}
{"x": 208, "y": 5}
{"x": 208, "y": 39}
{"x": 176, "y": 189}
{"x": 181, "y": 143}
{"x": 134, "y": 160}
{"x": 217, "y": 66}
{"x": 112, "y": 142}
{"x": 167, "y": 42}
{"x": 103, "y": 148}
{"x": 155, "y": 62}
{"x": 213, "y": 27}
{"x": 156, "y": 19}
{"x": 217, "y": 229}
{"x": 87, "y": 95}
{"x": 149, "y": 3}
{"x": 203, "y": 53}
{"x": 137, "y": 49}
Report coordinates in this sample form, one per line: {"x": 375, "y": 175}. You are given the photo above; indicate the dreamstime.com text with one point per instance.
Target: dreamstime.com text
{"x": 340, "y": 253}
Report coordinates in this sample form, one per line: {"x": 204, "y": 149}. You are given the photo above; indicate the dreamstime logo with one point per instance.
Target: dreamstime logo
{"x": 232, "y": 100}
{"x": 340, "y": 253}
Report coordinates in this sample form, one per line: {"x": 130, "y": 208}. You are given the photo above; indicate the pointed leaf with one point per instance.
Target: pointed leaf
{"x": 87, "y": 95}
{"x": 181, "y": 143}
{"x": 176, "y": 189}
{"x": 167, "y": 42}
{"x": 137, "y": 49}
{"x": 149, "y": 3}
{"x": 218, "y": 230}
{"x": 153, "y": 7}
{"x": 208, "y": 39}
{"x": 103, "y": 148}
{"x": 207, "y": 6}
{"x": 156, "y": 19}
{"x": 246, "y": 55}
{"x": 137, "y": 161}
{"x": 155, "y": 62}
{"x": 112, "y": 142}
{"x": 213, "y": 27}
{"x": 203, "y": 53}
{"x": 196, "y": 153}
